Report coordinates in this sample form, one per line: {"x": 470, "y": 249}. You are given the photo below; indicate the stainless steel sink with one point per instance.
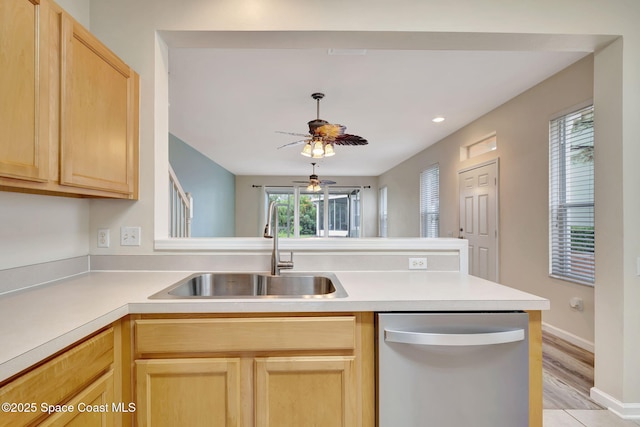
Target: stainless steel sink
{"x": 254, "y": 285}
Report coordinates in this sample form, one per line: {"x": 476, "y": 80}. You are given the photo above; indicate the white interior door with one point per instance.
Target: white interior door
{"x": 478, "y": 190}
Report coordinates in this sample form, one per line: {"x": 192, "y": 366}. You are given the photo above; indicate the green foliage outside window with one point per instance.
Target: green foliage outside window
{"x": 307, "y": 217}
{"x": 286, "y": 226}
{"x": 582, "y": 238}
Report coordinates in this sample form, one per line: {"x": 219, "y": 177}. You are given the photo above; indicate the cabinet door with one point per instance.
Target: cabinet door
{"x": 99, "y": 115}
{"x": 306, "y": 391}
{"x": 59, "y": 379}
{"x": 92, "y": 407}
{"x": 23, "y": 88}
{"x": 188, "y": 392}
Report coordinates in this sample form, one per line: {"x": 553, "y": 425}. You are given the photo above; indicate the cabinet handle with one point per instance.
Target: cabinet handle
{"x": 429, "y": 338}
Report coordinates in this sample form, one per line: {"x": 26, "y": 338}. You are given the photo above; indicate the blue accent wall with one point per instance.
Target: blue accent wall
{"x": 212, "y": 187}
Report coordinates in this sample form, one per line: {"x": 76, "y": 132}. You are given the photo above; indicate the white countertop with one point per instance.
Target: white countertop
{"x": 37, "y": 322}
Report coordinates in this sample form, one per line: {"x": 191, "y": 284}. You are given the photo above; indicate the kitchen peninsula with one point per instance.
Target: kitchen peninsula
{"x": 44, "y": 320}
{"x": 102, "y": 321}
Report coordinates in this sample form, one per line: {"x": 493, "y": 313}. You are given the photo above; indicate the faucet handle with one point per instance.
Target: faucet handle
{"x": 287, "y": 265}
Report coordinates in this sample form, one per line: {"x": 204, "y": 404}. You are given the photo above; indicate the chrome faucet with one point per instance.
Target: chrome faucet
{"x": 272, "y": 233}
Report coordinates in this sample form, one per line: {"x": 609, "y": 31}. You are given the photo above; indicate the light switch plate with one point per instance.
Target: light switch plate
{"x": 130, "y": 236}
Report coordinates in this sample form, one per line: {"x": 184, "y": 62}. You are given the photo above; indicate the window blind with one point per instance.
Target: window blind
{"x": 571, "y": 196}
{"x": 382, "y": 212}
{"x": 430, "y": 202}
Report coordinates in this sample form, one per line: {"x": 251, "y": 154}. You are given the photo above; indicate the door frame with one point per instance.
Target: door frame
{"x": 495, "y": 161}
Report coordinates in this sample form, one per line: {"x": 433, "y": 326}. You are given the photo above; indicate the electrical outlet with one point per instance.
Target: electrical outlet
{"x": 576, "y": 303}
{"x": 129, "y": 236}
{"x": 103, "y": 237}
{"x": 417, "y": 263}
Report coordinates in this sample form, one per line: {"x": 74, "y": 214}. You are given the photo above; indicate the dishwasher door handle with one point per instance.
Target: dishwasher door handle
{"x": 430, "y": 338}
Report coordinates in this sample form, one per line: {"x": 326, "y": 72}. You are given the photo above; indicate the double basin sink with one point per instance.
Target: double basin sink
{"x": 254, "y": 285}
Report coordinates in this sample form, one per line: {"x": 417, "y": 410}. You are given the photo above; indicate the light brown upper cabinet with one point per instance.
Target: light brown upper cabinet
{"x": 98, "y": 125}
{"x": 74, "y": 130}
{"x": 24, "y": 90}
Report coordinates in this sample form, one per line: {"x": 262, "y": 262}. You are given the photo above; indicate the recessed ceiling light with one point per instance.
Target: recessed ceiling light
{"x": 438, "y": 119}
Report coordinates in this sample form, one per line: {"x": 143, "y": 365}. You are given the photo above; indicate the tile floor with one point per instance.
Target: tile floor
{"x": 584, "y": 418}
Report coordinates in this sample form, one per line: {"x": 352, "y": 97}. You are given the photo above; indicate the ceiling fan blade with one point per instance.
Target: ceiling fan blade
{"x": 293, "y": 143}
{"x": 301, "y": 182}
{"x": 326, "y": 182}
{"x": 347, "y": 139}
{"x": 306, "y": 135}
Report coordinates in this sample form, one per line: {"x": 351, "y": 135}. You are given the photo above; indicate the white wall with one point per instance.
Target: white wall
{"x": 522, "y": 132}
{"x": 616, "y": 294}
{"x": 35, "y": 229}
{"x": 79, "y": 9}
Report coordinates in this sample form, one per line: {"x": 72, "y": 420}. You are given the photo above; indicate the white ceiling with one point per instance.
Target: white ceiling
{"x": 228, "y": 103}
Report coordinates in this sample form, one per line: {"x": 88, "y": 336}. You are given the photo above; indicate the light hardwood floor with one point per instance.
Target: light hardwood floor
{"x": 567, "y": 372}
{"x": 584, "y": 418}
{"x": 567, "y": 378}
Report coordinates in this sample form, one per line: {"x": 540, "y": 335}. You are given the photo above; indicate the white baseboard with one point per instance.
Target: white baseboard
{"x": 568, "y": 336}
{"x": 627, "y": 411}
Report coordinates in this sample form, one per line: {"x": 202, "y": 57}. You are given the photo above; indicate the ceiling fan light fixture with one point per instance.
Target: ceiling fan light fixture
{"x": 325, "y": 136}
{"x": 306, "y": 151}
{"x": 314, "y": 187}
{"x": 328, "y": 150}
{"x": 318, "y": 149}
{"x": 314, "y": 184}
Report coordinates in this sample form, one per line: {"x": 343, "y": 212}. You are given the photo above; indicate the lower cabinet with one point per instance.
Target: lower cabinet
{"x": 189, "y": 392}
{"x": 92, "y": 407}
{"x": 75, "y": 387}
{"x": 255, "y": 371}
{"x": 295, "y": 390}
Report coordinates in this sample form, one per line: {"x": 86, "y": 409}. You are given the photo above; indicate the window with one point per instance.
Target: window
{"x": 430, "y": 202}
{"x": 342, "y": 210}
{"x": 571, "y": 200}
{"x": 310, "y": 216}
{"x": 475, "y": 149}
{"x": 382, "y": 212}
{"x": 286, "y": 213}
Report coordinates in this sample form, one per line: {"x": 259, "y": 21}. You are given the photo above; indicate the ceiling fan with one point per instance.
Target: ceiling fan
{"x": 314, "y": 182}
{"x": 323, "y": 136}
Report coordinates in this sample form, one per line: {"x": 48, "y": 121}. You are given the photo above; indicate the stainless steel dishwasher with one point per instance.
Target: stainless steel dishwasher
{"x": 453, "y": 369}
